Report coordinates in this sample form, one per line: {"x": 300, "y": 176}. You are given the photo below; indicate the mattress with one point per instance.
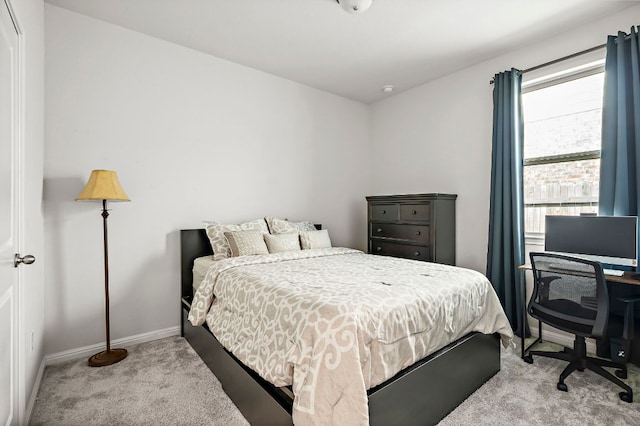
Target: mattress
{"x": 335, "y": 322}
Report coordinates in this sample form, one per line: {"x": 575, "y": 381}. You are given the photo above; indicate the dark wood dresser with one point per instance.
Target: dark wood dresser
{"x": 417, "y": 226}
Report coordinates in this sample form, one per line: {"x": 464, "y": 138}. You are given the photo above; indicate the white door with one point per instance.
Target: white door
{"x": 9, "y": 139}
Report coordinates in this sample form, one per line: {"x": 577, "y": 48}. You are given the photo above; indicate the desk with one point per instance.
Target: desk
{"x": 614, "y": 283}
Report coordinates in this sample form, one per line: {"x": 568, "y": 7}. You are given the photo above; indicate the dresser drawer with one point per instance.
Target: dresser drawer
{"x": 401, "y": 250}
{"x": 384, "y": 212}
{"x": 413, "y": 233}
{"x": 415, "y": 212}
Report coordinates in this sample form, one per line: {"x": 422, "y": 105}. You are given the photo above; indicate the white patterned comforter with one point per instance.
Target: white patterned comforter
{"x": 334, "y": 322}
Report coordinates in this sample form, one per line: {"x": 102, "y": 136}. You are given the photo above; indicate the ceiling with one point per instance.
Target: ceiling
{"x": 403, "y": 43}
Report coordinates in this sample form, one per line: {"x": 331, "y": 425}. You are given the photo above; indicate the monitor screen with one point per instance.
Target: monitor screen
{"x": 606, "y": 239}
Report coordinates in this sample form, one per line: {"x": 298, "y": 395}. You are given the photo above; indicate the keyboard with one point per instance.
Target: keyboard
{"x": 583, "y": 268}
{"x": 613, "y": 272}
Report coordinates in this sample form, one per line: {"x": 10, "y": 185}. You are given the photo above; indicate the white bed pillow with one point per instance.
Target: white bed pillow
{"x": 278, "y": 243}
{"x": 218, "y": 241}
{"x": 246, "y": 243}
{"x": 314, "y": 239}
{"x": 282, "y": 226}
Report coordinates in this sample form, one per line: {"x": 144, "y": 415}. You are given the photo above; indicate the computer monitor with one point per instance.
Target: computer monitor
{"x": 612, "y": 240}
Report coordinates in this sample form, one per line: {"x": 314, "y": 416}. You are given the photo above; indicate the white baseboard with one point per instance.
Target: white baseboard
{"x": 87, "y": 351}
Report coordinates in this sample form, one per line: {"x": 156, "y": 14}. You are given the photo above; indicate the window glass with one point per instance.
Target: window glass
{"x": 564, "y": 118}
{"x": 562, "y": 126}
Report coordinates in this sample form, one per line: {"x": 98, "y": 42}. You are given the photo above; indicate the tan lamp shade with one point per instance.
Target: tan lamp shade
{"x": 103, "y": 185}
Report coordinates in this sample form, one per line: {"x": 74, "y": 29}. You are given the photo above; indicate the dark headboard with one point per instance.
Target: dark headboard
{"x": 194, "y": 243}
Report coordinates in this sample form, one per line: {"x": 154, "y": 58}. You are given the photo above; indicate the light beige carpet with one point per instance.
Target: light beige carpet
{"x": 526, "y": 394}
{"x": 165, "y": 383}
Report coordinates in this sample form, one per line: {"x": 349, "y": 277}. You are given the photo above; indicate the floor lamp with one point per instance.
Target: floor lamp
{"x": 103, "y": 185}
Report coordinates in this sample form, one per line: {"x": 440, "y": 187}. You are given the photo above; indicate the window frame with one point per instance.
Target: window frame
{"x": 555, "y": 79}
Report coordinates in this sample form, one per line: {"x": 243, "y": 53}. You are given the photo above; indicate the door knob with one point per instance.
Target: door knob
{"x": 27, "y": 260}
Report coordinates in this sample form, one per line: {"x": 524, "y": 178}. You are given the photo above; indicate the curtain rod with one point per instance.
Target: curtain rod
{"x": 564, "y": 58}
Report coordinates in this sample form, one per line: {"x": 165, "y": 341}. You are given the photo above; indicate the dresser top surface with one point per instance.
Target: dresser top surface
{"x": 412, "y": 197}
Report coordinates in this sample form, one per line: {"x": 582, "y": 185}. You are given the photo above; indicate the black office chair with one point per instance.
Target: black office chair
{"x": 571, "y": 294}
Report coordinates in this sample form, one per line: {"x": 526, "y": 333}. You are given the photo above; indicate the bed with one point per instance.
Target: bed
{"x": 420, "y": 393}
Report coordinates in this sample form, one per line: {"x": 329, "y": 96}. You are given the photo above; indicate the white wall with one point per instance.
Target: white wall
{"x": 30, "y": 20}
{"x": 198, "y": 138}
{"x": 192, "y": 138}
{"x": 437, "y": 137}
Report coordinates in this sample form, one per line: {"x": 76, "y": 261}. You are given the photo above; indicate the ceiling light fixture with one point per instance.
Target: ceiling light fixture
{"x": 355, "y": 6}
{"x": 388, "y": 88}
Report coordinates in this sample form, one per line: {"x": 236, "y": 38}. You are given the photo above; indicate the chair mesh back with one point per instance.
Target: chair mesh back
{"x": 566, "y": 292}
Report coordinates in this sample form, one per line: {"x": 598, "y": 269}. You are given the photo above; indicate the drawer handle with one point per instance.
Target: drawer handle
{"x": 379, "y": 230}
{"x": 384, "y": 212}
{"x": 417, "y": 253}
{"x": 378, "y": 248}
{"x": 414, "y": 212}
{"x": 417, "y": 232}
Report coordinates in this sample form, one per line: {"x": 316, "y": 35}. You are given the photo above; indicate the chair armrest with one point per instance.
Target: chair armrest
{"x": 628, "y": 330}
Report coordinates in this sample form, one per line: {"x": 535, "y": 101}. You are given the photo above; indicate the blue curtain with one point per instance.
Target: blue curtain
{"x": 620, "y": 156}
{"x": 506, "y": 212}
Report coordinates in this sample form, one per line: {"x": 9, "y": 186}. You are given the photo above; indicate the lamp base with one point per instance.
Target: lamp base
{"x": 105, "y": 358}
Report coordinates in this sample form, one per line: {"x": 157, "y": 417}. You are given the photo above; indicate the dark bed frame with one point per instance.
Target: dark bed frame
{"x": 421, "y": 394}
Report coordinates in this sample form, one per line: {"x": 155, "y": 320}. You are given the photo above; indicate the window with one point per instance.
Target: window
{"x": 562, "y": 132}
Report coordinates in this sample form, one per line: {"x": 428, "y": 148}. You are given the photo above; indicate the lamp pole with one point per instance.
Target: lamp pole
{"x": 109, "y": 356}
{"x": 105, "y": 215}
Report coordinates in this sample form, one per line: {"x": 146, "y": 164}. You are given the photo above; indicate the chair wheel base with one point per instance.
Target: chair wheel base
{"x": 528, "y": 359}
{"x": 562, "y": 387}
{"x": 626, "y": 397}
{"x": 621, "y": 374}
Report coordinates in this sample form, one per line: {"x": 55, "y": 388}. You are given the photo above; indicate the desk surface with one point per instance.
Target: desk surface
{"x": 624, "y": 279}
